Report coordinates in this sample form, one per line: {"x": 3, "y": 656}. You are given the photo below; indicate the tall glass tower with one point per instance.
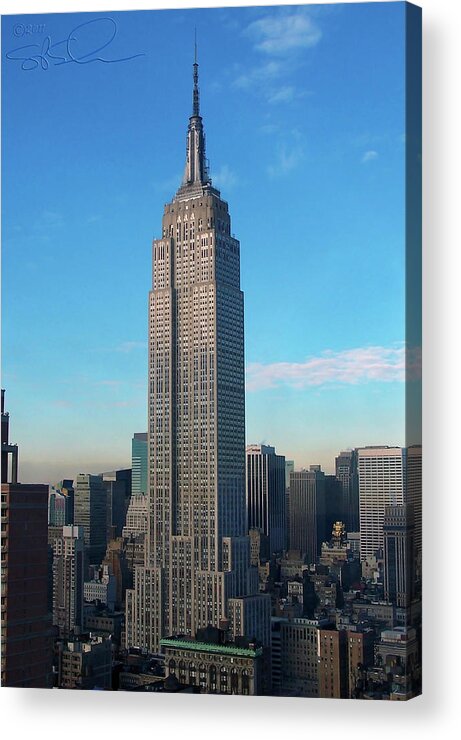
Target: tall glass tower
{"x": 197, "y": 555}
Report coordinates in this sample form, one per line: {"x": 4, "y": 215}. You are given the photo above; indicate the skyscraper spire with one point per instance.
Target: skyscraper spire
{"x": 196, "y": 170}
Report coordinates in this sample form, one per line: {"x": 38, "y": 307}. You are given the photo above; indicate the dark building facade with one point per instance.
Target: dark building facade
{"x": 117, "y": 485}
{"x": 27, "y": 635}
{"x": 266, "y": 494}
{"x": 399, "y": 555}
{"x": 307, "y": 512}
{"x": 347, "y": 474}
{"x": 90, "y": 512}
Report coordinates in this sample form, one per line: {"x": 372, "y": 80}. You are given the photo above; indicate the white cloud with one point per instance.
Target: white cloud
{"x": 284, "y": 32}
{"x": 353, "y": 366}
{"x": 369, "y": 156}
{"x": 283, "y": 95}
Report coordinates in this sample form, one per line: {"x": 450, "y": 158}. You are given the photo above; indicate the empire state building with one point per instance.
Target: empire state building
{"x": 197, "y": 562}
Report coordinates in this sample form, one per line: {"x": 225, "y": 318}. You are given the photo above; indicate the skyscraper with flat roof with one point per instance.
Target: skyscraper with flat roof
{"x": 90, "y": 512}
{"x": 265, "y": 485}
{"x": 197, "y": 554}
{"x": 382, "y": 482}
{"x": 68, "y": 566}
{"x": 307, "y": 512}
{"x": 26, "y": 635}
{"x": 399, "y": 554}
{"x": 346, "y": 473}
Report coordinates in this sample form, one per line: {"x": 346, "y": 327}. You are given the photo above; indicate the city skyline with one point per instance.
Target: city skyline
{"x": 215, "y": 565}
{"x": 336, "y": 369}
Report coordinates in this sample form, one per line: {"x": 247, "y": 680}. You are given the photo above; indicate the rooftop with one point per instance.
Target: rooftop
{"x": 209, "y": 647}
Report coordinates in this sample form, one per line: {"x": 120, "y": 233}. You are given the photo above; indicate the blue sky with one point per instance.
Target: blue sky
{"x": 303, "y": 109}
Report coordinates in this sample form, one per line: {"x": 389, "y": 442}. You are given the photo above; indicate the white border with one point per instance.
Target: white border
{"x": 102, "y": 715}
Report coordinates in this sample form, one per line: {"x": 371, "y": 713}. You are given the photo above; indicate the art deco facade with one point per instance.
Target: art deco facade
{"x": 197, "y": 554}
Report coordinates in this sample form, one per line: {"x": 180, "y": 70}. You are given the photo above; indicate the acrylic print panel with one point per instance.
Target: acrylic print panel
{"x": 212, "y": 351}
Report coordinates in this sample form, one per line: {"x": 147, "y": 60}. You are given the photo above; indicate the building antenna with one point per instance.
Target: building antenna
{"x": 195, "y": 104}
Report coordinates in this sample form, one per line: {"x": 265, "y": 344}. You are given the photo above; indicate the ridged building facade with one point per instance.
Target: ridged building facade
{"x": 197, "y": 554}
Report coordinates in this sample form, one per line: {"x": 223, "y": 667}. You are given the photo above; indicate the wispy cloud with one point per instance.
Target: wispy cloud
{"x": 285, "y": 160}
{"x": 353, "y": 366}
{"x": 130, "y": 346}
{"x": 268, "y": 128}
{"x": 279, "y": 36}
{"x": 279, "y": 33}
{"x": 224, "y": 177}
{"x": 259, "y": 74}
{"x": 369, "y": 156}
{"x": 284, "y": 94}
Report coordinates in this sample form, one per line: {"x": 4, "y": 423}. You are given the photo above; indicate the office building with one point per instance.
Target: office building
{"x": 259, "y": 547}
{"x": 289, "y": 469}
{"x": 333, "y": 675}
{"x": 84, "y": 663}
{"x": 139, "y": 464}
{"x": 298, "y": 657}
{"x": 251, "y": 616}
{"x": 197, "y": 553}
{"x": 266, "y": 494}
{"x": 382, "y": 472}
{"x": 101, "y": 588}
{"x": 399, "y": 555}
{"x": 27, "y": 634}
{"x": 414, "y": 499}
{"x": 121, "y": 558}
{"x": 347, "y": 474}
{"x": 9, "y": 457}
{"x": 360, "y": 655}
{"x": 307, "y": 512}
{"x": 215, "y": 668}
{"x": 333, "y": 502}
{"x": 136, "y": 515}
{"x": 90, "y": 512}
{"x": 343, "y": 656}
{"x": 61, "y": 504}
{"x": 117, "y": 485}
{"x": 68, "y": 572}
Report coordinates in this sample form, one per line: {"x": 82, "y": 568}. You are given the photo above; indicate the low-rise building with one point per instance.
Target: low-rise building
{"x": 84, "y": 663}
{"x": 214, "y": 668}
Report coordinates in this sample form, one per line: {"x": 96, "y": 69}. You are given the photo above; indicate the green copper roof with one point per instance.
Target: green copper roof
{"x": 210, "y": 647}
